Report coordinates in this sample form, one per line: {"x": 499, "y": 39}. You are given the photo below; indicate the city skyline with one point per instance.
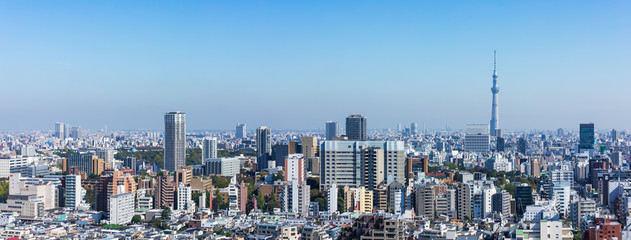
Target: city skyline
{"x": 419, "y": 62}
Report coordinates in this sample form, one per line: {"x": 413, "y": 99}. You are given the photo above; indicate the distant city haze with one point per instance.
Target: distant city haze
{"x": 297, "y": 65}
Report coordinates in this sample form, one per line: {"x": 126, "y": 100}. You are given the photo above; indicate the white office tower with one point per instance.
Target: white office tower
{"x": 185, "y": 199}
{"x": 233, "y": 197}
{"x": 209, "y": 148}
{"x": 107, "y": 154}
{"x": 59, "y": 130}
{"x": 121, "y": 207}
{"x": 226, "y": 167}
{"x": 332, "y": 198}
{"x": 73, "y": 191}
{"x": 477, "y": 138}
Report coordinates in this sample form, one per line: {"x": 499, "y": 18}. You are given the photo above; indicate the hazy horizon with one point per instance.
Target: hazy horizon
{"x": 296, "y": 65}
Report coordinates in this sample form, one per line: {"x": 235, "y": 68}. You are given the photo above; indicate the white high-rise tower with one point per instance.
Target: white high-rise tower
{"x": 495, "y": 90}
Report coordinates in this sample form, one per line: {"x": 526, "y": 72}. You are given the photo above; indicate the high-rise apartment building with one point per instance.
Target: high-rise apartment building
{"x": 477, "y": 138}
{"x": 332, "y": 130}
{"x": 464, "y": 202}
{"x": 174, "y": 140}
{"x": 72, "y": 192}
{"x": 356, "y": 127}
{"x": 413, "y": 129}
{"x": 209, "y": 148}
{"x": 263, "y": 146}
{"x": 586, "y": 134}
{"x": 353, "y": 163}
{"x": 109, "y": 185}
{"x": 185, "y": 199}
{"x": 501, "y": 203}
{"x": 331, "y": 195}
{"x": 121, "y": 209}
{"x": 164, "y": 192}
{"x": 240, "y": 131}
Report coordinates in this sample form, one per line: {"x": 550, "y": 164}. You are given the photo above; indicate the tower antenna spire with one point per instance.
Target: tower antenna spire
{"x": 494, "y": 60}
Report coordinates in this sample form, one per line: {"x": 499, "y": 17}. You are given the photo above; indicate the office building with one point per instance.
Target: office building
{"x": 332, "y": 130}
{"x": 86, "y": 163}
{"x": 477, "y": 138}
{"x": 586, "y": 134}
{"x": 13, "y": 164}
{"x": 615, "y": 135}
{"x": 209, "y": 148}
{"x": 240, "y": 131}
{"x": 76, "y": 132}
{"x": 359, "y": 163}
{"x": 107, "y": 154}
{"x": 72, "y": 191}
{"x": 523, "y": 145}
{"x": 59, "y": 130}
{"x": 523, "y": 198}
{"x": 225, "y": 167}
{"x": 263, "y": 146}
{"x": 174, "y": 140}
{"x": 413, "y": 129}
{"x": 130, "y": 163}
{"x": 356, "y": 128}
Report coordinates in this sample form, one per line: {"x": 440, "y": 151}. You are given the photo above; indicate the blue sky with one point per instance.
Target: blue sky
{"x": 297, "y": 64}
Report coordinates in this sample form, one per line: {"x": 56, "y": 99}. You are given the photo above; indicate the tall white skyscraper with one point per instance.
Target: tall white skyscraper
{"x": 59, "y": 130}
{"x": 477, "y": 138}
{"x": 240, "y": 133}
{"x": 209, "y": 148}
{"x": 174, "y": 140}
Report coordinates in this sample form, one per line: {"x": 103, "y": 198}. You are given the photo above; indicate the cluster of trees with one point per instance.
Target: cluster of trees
{"x": 151, "y": 156}
{"x": 4, "y": 191}
{"x": 193, "y": 156}
{"x": 233, "y": 153}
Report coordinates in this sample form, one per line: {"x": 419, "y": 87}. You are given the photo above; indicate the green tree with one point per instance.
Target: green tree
{"x": 4, "y": 191}
{"x": 137, "y": 219}
{"x": 166, "y": 213}
{"x": 220, "y": 182}
{"x": 510, "y": 188}
{"x": 193, "y": 156}
{"x": 89, "y": 195}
